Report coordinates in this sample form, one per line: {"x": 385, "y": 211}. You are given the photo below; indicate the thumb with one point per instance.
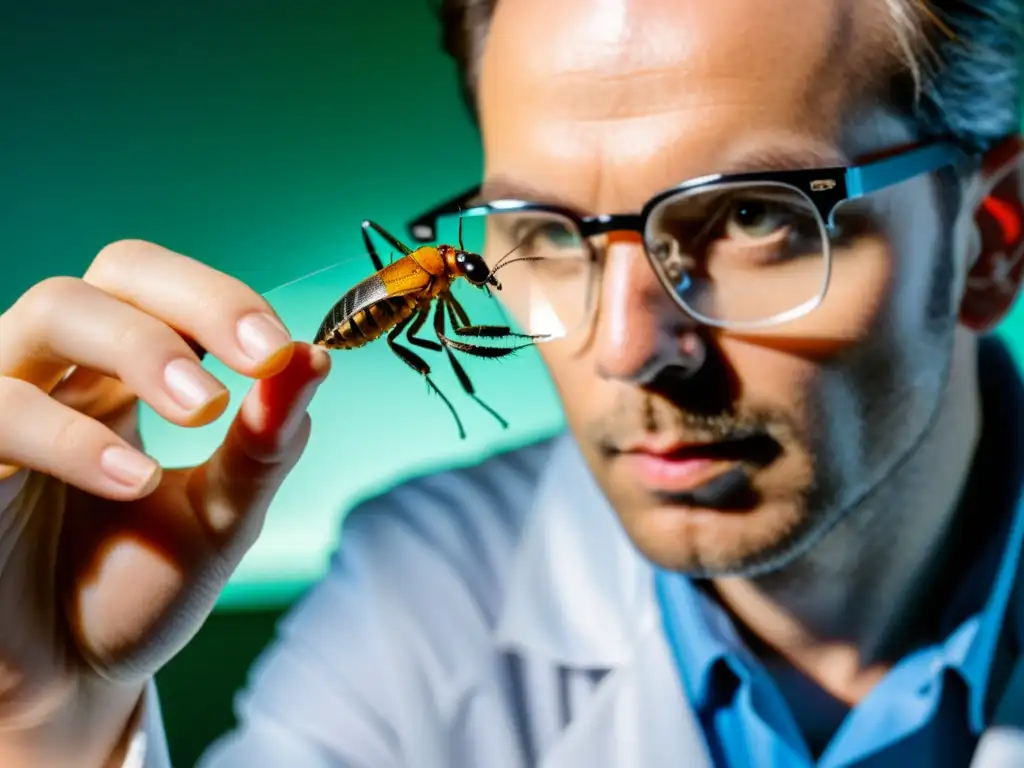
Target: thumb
{"x": 230, "y": 493}
{"x": 145, "y": 574}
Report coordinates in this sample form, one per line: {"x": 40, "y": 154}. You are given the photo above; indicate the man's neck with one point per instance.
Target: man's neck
{"x": 846, "y": 611}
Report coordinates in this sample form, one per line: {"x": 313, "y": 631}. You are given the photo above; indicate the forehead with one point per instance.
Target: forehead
{"x": 665, "y": 88}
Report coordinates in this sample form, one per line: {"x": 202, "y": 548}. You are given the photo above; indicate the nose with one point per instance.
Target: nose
{"x": 641, "y": 331}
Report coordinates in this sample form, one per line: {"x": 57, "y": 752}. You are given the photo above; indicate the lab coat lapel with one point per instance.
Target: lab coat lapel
{"x": 580, "y": 596}
{"x": 577, "y": 587}
{"x": 637, "y": 718}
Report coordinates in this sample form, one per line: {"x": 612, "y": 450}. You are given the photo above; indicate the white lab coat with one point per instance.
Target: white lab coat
{"x": 495, "y": 616}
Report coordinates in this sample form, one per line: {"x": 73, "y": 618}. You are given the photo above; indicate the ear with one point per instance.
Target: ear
{"x": 994, "y": 280}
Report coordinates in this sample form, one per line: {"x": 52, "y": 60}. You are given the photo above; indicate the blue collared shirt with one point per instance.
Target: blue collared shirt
{"x": 928, "y": 710}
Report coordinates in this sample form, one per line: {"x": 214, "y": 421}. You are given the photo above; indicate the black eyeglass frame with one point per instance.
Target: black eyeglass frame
{"x": 825, "y": 188}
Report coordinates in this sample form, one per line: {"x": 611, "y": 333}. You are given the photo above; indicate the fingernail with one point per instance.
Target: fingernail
{"x": 190, "y": 385}
{"x": 127, "y": 467}
{"x": 261, "y": 336}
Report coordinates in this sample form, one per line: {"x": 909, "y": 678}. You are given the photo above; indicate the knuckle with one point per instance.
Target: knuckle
{"x": 72, "y": 432}
{"x": 111, "y": 259}
{"x": 42, "y": 300}
{"x": 119, "y": 262}
{"x": 12, "y": 397}
{"x": 64, "y": 430}
{"x": 117, "y": 254}
{"x": 224, "y": 290}
{"x": 147, "y": 340}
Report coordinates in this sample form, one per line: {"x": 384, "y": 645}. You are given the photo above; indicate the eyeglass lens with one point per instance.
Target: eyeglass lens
{"x": 733, "y": 254}
{"x": 740, "y": 254}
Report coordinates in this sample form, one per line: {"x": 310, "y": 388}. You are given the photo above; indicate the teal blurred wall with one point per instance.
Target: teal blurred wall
{"x": 256, "y": 136}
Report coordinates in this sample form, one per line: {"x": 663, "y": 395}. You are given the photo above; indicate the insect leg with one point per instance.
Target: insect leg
{"x": 460, "y": 372}
{"x": 456, "y": 312}
{"x": 377, "y": 263}
{"x": 419, "y": 365}
{"x": 391, "y": 240}
{"x": 418, "y": 321}
{"x": 464, "y": 328}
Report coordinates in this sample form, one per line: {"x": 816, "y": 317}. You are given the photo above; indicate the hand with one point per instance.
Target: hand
{"x": 109, "y": 563}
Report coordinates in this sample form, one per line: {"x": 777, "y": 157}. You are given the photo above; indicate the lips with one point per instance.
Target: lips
{"x": 679, "y": 467}
{"x": 751, "y": 446}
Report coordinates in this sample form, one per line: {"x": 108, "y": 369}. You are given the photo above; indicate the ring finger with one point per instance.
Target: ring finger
{"x": 56, "y": 440}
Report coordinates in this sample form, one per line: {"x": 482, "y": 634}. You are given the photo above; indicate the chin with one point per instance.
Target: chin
{"x": 707, "y": 543}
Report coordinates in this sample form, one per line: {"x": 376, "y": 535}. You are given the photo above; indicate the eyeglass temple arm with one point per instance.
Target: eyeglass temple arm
{"x": 423, "y": 228}
{"x": 872, "y": 177}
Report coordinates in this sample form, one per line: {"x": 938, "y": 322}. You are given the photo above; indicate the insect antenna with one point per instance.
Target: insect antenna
{"x": 502, "y": 265}
{"x": 501, "y": 261}
{"x": 498, "y": 266}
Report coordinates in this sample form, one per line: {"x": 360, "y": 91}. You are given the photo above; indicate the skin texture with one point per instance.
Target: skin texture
{"x": 871, "y": 399}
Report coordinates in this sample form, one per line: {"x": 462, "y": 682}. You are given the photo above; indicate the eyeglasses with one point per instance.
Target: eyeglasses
{"x": 736, "y": 251}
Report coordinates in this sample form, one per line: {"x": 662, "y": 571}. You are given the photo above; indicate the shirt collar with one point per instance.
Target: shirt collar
{"x": 998, "y": 567}
{"x": 579, "y": 593}
{"x": 970, "y": 649}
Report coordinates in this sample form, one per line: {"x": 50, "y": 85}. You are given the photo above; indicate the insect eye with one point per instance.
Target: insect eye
{"x": 460, "y": 258}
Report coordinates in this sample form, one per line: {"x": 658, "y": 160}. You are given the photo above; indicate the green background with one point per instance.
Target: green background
{"x": 254, "y": 136}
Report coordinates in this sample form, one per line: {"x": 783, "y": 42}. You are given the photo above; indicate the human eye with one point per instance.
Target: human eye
{"x": 547, "y": 235}
{"x": 757, "y": 218}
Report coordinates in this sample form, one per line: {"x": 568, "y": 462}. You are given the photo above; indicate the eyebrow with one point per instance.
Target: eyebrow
{"x": 765, "y": 159}
{"x": 776, "y": 158}
{"x": 505, "y": 187}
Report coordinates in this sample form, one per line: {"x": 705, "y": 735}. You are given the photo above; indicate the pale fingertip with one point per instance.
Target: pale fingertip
{"x": 276, "y": 363}
{"x": 319, "y": 360}
{"x": 190, "y": 385}
{"x": 265, "y": 341}
{"x": 210, "y": 412}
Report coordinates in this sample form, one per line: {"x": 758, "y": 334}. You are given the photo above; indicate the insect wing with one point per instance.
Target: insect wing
{"x": 403, "y": 277}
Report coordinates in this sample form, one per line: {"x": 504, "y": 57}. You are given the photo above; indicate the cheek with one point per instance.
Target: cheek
{"x": 819, "y": 402}
{"x": 924, "y": 267}
{"x": 885, "y": 279}
{"x": 762, "y": 367}
{"x": 773, "y": 380}
{"x": 861, "y": 286}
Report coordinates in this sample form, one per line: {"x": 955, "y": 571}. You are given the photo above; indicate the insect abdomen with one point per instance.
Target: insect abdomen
{"x": 371, "y": 323}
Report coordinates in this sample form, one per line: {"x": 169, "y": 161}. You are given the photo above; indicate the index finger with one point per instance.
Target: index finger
{"x": 212, "y": 310}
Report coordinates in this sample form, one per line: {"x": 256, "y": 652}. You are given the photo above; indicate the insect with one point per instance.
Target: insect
{"x": 399, "y": 298}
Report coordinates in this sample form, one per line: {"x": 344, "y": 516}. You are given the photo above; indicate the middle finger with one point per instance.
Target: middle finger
{"x": 222, "y": 314}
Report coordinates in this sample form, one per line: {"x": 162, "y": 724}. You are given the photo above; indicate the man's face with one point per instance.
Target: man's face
{"x": 604, "y": 103}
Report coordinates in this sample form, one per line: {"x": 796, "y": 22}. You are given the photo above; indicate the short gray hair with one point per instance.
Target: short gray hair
{"x": 962, "y": 65}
